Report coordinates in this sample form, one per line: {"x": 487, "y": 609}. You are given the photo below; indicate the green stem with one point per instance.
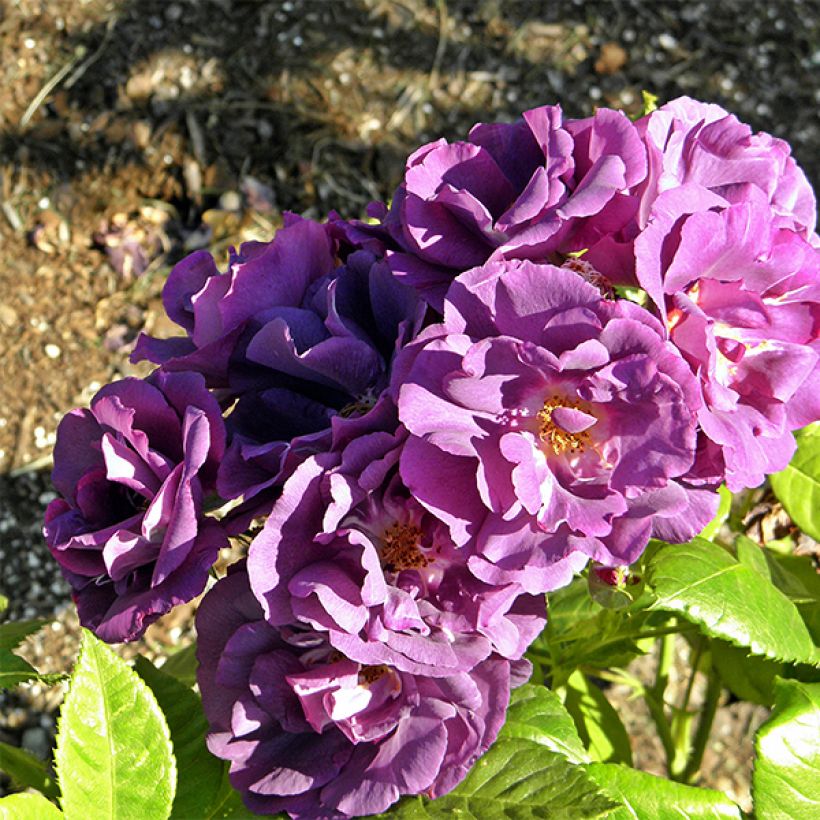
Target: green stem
{"x": 707, "y": 717}
{"x": 654, "y": 696}
{"x": 694, "y": 661}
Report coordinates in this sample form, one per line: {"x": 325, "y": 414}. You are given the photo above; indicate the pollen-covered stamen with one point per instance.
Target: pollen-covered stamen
{"x": 401, "y": 548}
{"x": 368, "y": 675}
{"x": 563, "y": 431}
{"x": 362, "y": 404}
{"x": 589, "y": 274}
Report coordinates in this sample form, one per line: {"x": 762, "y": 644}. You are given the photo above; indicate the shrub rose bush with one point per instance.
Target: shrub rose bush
{"x": 562, "y": 339}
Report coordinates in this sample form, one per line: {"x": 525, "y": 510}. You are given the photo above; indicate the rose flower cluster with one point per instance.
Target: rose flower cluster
{"x": 425, "y": 421}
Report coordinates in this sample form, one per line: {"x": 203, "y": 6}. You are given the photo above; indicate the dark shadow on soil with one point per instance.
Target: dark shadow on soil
{"x": 284, "y": 90}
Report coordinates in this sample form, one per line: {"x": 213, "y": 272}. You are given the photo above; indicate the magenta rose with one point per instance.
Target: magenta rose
{"x": 740, "y": 294}
{"x": 529, "y": 189}
{"x": 556, "y": 424}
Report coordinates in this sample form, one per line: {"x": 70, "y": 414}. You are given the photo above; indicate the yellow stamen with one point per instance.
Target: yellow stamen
{"x": 370, "y": 674}
{"x": 556, "y": 437}
{"x": 401, "y": 550}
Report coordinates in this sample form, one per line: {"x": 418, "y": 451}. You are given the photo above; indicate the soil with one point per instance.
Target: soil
{"x": 135, "y": 131}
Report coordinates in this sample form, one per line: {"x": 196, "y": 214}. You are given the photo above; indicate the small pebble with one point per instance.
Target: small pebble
{"x": 52, "y": 351}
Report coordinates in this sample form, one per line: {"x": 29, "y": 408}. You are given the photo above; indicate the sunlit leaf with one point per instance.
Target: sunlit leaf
{"x": 798, "y": 486}
{"x": 598, "y": 724}
{"x": 199, "y": 773}
{"x": 114, "y": 756}
{"x": 729, "y": 600}
{"x": 786, "y": 780}
{"x": 655, "y": 798}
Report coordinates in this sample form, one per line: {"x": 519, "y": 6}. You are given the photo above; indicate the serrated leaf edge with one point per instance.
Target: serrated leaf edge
{"x": 140, "y": 686}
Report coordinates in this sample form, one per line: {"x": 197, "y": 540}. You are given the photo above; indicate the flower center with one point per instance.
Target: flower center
{"x": 553, "y": 435}
{"x": 368, "y": 675}
{"x": 361, "y": 405}
{"x": 589, "y": 274}
{"x": 401, "y": 548}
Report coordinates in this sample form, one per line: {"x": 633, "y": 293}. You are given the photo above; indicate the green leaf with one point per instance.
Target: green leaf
{"x": 229, "y": 803}
{"x": 14, "y": 633}
{"x": 199, "y": 773}
{"x": 797, "y": 578}
{"x": 114, "y": 755}
{"x": 14, "y": 670}
{"x": 786, "y": 779}
{"x": 28, "y": 807}
{"x": 752, "y": 555}
{"x": 26, "y": 771}
{"x": 729, "y": 600}
{"x": 598, "y": 724}
{"x": 518, "y": 779}
{"x": 798, "y": 486}
{"x": 571, "y": 610}
{"x": 645, "y": 796}
{"x": 537, "y": 714}
{"x": 4, "y": 604}
{"x": 724, "y": 508}
{"x": 182, "y": 665}
{"x": 749, "y": 677}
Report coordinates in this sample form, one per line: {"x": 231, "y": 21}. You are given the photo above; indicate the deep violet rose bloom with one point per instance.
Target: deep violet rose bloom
{"x": 528, "y": 189}
{"x": 298, "y": 339}
{"x": 308, "y": 731}
{"x": 381, "y": 577}
{"x": 740, "y": 294}
{"x": 129, "y": 532}
{"x": 554, "y": 423}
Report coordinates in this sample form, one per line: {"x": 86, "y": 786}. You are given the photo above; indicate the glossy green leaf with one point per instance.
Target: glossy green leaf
{"x": 798, "y": 486}
{"x": 598, "y": 724}
{"x": 518, "y": 779}
{"x": 571, "y": 610}
{"x": 199, "y": 773}
{"x": 12, "y": 634}
{"x": 656, "y": 798}
{"x": 537, "y": 714}
{"x": 752, "y": 555}
{"x": 28, "y": 807}
{"x": 26, "y": 770}
{"x": 786, "y": 779}
{"x": 728, "y": 600}
{"x": 114, "y": 756}
{"x": 182, "y": 665}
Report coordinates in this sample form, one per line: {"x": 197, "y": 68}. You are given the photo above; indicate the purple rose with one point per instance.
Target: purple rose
{"x": 527, "y": 189}
{"x": 695, "y": 143}
{"x": 380, "y": 576}
{"x": 215, "y": 309}
{"x": 308, "y": 731}
{"x": 297, "y": 340}
{"x": 129, "y": 532}
{"x": 555, "y": 423}
{"x": 740, "y": 294}
{"x": 704, "y": 158}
